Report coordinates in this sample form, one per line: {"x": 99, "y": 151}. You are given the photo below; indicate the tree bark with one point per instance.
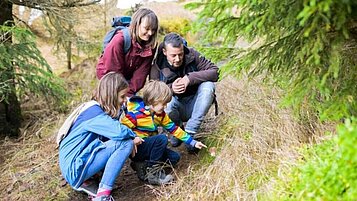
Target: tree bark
{"x": 10, "y": 110}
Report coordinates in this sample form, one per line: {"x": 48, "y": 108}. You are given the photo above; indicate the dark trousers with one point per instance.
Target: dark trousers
{"x": 154, "y": 150}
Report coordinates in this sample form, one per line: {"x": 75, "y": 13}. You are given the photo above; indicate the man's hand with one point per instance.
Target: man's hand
{"x": 200, "y": 145}
{"x": 180, "y": 84}
{"x": 184, "y": 81}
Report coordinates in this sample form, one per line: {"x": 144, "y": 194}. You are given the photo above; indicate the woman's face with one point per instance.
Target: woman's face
{"x": 122, "y": 96}
{"x": 145, "y": 31}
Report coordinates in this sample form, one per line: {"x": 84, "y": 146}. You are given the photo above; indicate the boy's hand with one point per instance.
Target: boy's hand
{"x": 200, "y": 145}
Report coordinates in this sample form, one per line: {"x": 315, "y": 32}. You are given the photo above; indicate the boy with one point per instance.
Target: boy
{"x": 144, "y": 115}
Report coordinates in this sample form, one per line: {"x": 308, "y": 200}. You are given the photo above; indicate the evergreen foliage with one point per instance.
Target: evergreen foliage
{"x": 23, "y": 67}
{"x": 328, "y": 171}
{"x": 308, "y": 47}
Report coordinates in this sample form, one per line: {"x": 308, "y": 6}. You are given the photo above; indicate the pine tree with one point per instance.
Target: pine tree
{"x": 308, "y": 47}
{"x": 22, "y": 68}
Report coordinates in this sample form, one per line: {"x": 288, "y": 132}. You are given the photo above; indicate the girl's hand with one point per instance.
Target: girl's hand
{"x": 133, "y": 152}
{"x": 200, "y": 145}
{"x": 138, "y": 140}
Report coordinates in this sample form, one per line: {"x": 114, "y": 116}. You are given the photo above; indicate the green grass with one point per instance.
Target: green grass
{"x": 327, "y": 171}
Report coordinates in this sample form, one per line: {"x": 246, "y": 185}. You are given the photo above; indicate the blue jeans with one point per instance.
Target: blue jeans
{"x": 154, "y": 150}
{"x": 111, "y": 159}
{"x": 192, "y": 109}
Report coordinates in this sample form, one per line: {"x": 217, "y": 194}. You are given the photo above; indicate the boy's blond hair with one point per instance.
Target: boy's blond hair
{"x": 156, "y": 92}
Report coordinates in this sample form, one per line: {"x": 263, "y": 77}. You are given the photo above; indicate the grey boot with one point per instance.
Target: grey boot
{"x": 155, "y": 175}
{"x": 140, "y": 168}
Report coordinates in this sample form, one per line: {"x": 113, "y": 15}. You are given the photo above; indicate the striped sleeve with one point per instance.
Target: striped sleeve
{"x": 129, "y": 120}
{"x": 175, "y": 130}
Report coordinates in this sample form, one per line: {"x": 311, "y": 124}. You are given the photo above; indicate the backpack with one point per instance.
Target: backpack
{"x": 119, "y": 23}
{"x": 67, "y": 124}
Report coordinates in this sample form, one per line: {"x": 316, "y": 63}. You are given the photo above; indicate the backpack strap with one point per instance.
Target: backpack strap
{"x": 127, "y": 40}
{"x": 111, "y": 34}
{"x": 215, "y": 102}
{"x": 66, "y": 126}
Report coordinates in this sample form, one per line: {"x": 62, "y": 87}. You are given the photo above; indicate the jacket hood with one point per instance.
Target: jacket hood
{"x": 136, "y": 103}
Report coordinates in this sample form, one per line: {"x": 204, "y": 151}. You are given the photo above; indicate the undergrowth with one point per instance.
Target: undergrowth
{"x": 252, "y": 142}
{"x": 327, "y": 171}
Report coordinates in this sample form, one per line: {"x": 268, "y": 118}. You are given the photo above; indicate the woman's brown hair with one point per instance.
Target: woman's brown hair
{"x": 107, "y": 91}
{"x": 153, "y": 22}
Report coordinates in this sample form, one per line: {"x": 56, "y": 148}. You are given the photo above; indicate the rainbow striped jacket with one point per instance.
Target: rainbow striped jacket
{"x": 145, "y": 123}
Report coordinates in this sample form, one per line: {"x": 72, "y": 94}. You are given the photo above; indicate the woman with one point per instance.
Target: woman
{"x": 136, "y": 64}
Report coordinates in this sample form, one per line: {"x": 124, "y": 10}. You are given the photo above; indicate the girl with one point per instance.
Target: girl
{"x": 136, "y": 64}
{"x": 96, "y": 139}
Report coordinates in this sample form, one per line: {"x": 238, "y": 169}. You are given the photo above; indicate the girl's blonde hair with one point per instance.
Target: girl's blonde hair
{"x": 107, "y": 93}
{"x": 153, "y": 22}
{"x": 156, "y": 92}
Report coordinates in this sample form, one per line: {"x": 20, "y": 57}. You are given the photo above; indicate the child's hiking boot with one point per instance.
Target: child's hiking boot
{"x": 90, "y": 187}
{"x": 103, "y": 198}
{"x": 155, "y": 175}
{"x": 175, "y": 142}
{"x": 140, "y": 168}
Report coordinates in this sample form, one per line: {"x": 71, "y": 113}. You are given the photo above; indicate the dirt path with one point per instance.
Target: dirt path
{"x": 129, "y": 187}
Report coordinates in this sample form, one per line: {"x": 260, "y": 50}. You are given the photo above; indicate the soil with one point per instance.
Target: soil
{"x": 129, "y": 187}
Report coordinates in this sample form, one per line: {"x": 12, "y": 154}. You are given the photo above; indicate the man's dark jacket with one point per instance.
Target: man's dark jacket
{"x": 195, "y": 66}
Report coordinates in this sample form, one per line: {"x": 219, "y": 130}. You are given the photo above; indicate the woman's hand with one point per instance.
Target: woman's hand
{"x": 200, "y": 145}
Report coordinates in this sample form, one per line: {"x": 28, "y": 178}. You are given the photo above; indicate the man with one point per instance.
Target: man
{"x": 191, "y": 77}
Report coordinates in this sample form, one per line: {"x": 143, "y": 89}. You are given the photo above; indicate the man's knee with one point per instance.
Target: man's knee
{"x": 207, "y": 88}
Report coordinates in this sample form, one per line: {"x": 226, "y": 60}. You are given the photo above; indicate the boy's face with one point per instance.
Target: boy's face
{"x": 158, "y": 108}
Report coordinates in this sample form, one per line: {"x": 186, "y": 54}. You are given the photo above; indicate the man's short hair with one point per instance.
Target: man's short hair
{"x": 173, "y": 39}
{"x": 156, "y": 92}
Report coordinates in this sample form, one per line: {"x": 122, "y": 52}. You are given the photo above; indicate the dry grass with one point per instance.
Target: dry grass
{"x": 256, "y": 139}
{"x": 29, "y": 169}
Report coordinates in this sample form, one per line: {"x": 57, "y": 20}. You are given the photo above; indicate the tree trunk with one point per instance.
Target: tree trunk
{"x": 69, "y": 55}
{"x": 10, "y": 110}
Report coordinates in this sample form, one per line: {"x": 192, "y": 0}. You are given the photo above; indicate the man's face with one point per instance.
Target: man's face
{"x": 174, "y": 55}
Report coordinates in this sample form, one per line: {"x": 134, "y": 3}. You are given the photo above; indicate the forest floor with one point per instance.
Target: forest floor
{"x": 259, "y": 138}
{"x": 29, "y": 164}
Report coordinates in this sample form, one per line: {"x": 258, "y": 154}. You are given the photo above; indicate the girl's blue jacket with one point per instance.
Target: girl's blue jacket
{"x": 85, "y": 138}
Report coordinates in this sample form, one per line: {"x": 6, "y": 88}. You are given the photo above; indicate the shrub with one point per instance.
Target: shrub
{"x": 328, "y": 171}
{"x": 178, "y": 25}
